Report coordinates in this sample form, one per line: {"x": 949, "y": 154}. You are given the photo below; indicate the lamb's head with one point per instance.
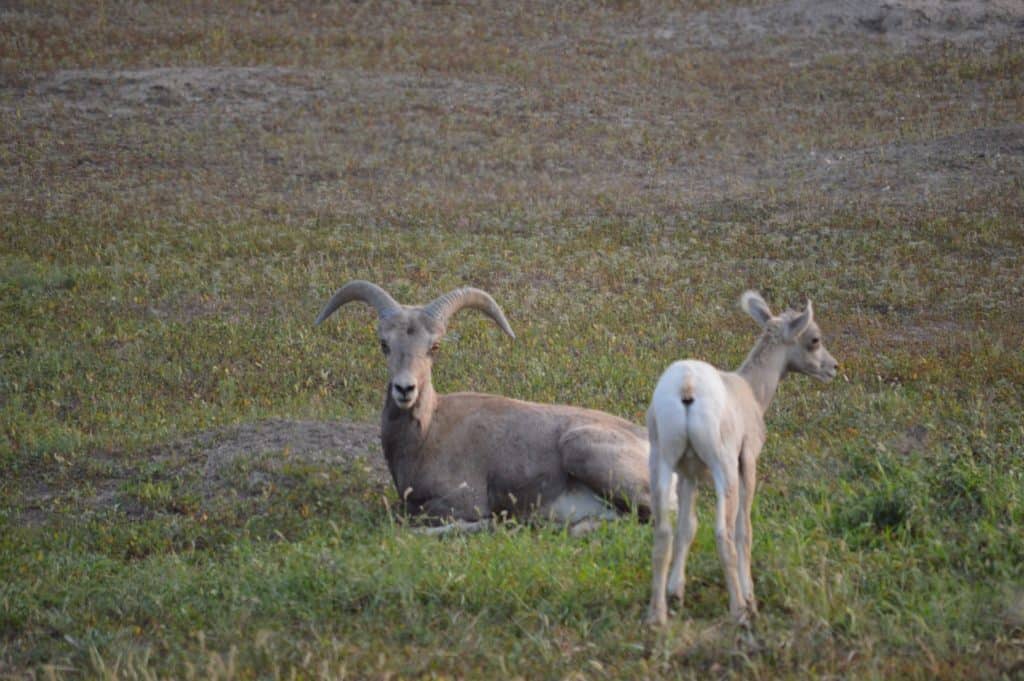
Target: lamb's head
{"x": 410, "y": 335}
{"x": 796, "y": 332}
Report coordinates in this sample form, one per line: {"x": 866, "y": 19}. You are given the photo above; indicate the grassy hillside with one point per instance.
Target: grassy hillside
{"x": 190, "y": 483}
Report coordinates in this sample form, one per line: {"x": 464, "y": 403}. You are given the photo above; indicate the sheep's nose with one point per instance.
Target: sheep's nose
{"x": 404, "y": 390}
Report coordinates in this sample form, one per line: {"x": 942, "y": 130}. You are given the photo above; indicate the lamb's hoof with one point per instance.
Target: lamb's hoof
{"x": 746, "y": 615}
{"x": 746, "y": 639}
{"x": 656, "y": 617}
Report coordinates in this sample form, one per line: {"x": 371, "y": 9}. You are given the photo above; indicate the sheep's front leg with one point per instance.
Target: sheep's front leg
{"x": 686, "y": 530}
{"x": 661, "y": 485}
{"x": 727, "y": 488}
{"x": 455, "y": 527}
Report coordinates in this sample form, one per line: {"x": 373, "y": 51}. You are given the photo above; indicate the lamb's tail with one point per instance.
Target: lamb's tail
{"x": 689, "y": 390}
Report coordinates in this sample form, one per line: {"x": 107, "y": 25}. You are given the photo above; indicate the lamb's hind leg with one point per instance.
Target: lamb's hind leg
{"x": 661, "y": 485}
{"x": 744, "y": 529}
{"x": 726, "y": 479}
{"x": 686, "y": 530}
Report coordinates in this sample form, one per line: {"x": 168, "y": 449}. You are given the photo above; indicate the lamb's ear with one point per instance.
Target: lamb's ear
{"x": 796, "y": 325}
{"x": 753, "y": 304}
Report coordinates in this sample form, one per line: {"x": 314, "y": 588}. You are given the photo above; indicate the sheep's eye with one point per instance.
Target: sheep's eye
{"x": 384, "y": 347}
{"x": 815, "y": 342}
{"x": 434, "y": 348}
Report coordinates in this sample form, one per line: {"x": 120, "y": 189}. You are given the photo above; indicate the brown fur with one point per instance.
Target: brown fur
{"x": 470, "y": 456}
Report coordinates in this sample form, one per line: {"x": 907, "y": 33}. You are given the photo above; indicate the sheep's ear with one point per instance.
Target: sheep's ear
{"x": 753, "y": 304}
{"x": 796, "y": 325}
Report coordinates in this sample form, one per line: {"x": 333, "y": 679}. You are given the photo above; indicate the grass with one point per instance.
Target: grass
{"x": 161, "y": 264}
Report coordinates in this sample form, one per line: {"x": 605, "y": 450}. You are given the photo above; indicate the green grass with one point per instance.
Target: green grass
{"x": 160, "y": 270}
{"x": 888, "y": 520}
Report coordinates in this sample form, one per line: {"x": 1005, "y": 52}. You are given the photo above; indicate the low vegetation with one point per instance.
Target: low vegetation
{"x": 179, "y": 195}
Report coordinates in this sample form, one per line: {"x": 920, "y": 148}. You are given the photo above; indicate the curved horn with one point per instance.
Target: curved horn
{"x": 360, "y": 290}
{"x": 445, "y": 306}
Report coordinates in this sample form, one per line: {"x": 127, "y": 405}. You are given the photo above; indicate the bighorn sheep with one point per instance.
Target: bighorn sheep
{"x": 465, "y": 457}
{"x": 702, "y": 420}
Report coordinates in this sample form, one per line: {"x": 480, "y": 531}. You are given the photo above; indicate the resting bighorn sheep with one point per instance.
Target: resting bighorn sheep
{"x": 465, "y": 457}
{"x": 702, "y": 420}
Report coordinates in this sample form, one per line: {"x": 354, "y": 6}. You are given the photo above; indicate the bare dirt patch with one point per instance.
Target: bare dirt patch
{"x": 244, "y": 92}
{"x": 321, "y": 443}
{"x": 656, "y": 110}
{"x": 217, "y": 465}
{"x": 844, "y": 25}
{"x": 231, "y": 141}
{"x": 640, "y": 108}
{"x": 226, "y": 143}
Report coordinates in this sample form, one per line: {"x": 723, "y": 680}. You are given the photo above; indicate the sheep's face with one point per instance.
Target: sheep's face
{"x": 409, "y": 336}
{"x": 409, "y": 340}
{"x": 806, "y": 354}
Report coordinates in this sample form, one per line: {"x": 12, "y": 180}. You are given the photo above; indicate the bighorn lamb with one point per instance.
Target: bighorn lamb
{"x": 702, "y": 420}
{"x": 465, "y": 457}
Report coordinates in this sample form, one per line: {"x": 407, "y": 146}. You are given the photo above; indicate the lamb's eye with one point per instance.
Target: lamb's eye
{"x": 815, "y": 342}
{"x": 384, "y": 347}
{"x": 434, "y": 348}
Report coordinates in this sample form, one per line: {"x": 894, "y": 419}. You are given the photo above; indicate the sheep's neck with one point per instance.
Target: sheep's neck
{"x": 763, "y": 368}
{"x": 403, "y": 432}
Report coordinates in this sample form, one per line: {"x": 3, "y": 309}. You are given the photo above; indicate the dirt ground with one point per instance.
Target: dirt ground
{"x": 233, "y": 142}
{"x": 226, "y": 463}
{"x": 847, "y": 24}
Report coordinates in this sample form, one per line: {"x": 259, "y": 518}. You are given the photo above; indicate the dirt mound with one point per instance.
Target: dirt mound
{"x": 252, "y": 458}
{"x": 901, "y": 24}
{"x": 280, "y": 440}
{"x": 242, "y": 92}
{"x": 165, "y": 86}
{"x": 245, "y": 140}
{"x": 213, "y": 467}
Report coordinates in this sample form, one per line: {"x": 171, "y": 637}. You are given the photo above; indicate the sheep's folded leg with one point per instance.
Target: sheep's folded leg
{"x": 456, "y": 527}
